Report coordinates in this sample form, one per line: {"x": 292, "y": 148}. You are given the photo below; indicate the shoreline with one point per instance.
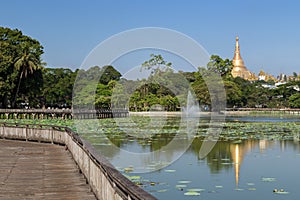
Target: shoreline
{"x": 165, "y": 113}
{"x": 208, "y": 114}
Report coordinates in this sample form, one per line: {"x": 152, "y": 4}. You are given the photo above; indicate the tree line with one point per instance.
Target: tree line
{"x": 26, "y": 82}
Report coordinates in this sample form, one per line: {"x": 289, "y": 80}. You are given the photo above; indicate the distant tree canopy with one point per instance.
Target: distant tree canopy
{"x": 25, "y": 81}
{"x": 94, "y": 87}
{"x": 109, "y": 73}
{"x": 58, "y": 87}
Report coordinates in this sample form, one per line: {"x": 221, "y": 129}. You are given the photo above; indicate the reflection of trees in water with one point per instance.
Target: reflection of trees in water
{"x": 295, "y": 145}
{"x": 159, "y": 141}
{"x": 214, "y": 159}
{"x": 223, "y": 155}
{"x": 226, "y": 155}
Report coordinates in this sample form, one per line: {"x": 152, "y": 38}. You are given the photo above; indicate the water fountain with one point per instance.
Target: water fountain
{"x": 192, "y": 108}
{"x": 190, "y": 116}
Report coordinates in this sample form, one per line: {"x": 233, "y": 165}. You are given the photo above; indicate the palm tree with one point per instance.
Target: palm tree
{"x": 27, "y": 63}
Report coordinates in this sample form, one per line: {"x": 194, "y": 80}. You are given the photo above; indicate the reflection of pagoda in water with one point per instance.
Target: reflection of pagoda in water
{"x": 239, "y": 68}
{"x": 238, "y": 152}
{"x": 237, "y": 155}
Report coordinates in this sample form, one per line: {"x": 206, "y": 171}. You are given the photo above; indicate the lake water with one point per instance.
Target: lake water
{"x": 253, "y": 156}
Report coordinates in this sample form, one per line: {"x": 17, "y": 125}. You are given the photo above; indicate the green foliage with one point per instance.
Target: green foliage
{"x": 201, "y": 90}
{"x": 94, "y": 87}
{"x": 58, "y": 87}
{"x": 220, "y": 66}
{"x": 294, "y": 100}
{"x": 156, "y": 64}
{"x": 20, "y": 56}
{"x": 109, "y": 73}
{"x": 24, "y": 79}
{"x": 159, "y": 91}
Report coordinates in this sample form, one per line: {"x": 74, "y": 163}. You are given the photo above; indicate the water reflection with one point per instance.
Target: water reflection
{"x": 224, "y": 156}
{"x": 236, "y": 161}
{"x": 227, "y": 155}
{"x": 245, "y": 152}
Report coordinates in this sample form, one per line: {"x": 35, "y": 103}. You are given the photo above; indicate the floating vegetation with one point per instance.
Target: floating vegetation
{"x": 226, "y": 163}
{"x": 180, "y": 186}
{"x": 225, "y": 159}
{"x": 196, "y": 190}
{"x": 106, "y": 132}
{"x": 170, "y": 170}
{"x": 239, "y": 189}
{"x": 162, "y": 190}
{"x": 237, "y": 141}
{"x": 152, "y": 183}
{"x": 284, "y": 192}
{"x": 281, "y": 191}
{"x": 128, "y": 169}
{"x": 233, "y": 131}
{"x": 268, "y": 179}
{"x": 184, "y": 182}
{"x": 192, "y": 193}
{"x": 133, "y": 177}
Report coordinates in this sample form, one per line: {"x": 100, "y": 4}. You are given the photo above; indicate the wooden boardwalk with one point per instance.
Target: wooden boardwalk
{"x": 30, "y": 170}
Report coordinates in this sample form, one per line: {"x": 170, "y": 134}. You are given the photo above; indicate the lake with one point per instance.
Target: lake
{"x": 252, "y": 156}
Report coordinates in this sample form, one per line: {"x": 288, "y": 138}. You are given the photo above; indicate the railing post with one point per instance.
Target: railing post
{"x": 89, "y": 171}
{"x": 52, "y": 135}
{"x": 26, "y": 134}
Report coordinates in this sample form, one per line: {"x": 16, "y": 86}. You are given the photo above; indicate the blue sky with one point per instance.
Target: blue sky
{"x": 269, "y": 31}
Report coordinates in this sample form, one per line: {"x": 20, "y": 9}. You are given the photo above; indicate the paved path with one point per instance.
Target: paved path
{"x": 31, "y": 170}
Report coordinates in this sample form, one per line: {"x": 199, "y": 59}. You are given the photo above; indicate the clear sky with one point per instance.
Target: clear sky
{"x": 269, "y": 30}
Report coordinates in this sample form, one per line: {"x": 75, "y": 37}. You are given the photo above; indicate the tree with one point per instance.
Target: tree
{"x": 220, "y": 66}
{"x": 109, "y": 73}
{"x": 294, "y": 100}
{"x": 209, "y": 87}
{"x": 58, "y": 87}
{"x": 160, "y": 88}
{"x": 156, "y": 64}
{"x": 233, "y": 94}
{"x": 19, "y": 55}
{"x": 295, "y": 76}
{"x": 201, "y": 90}
{"x": 27, "y": 63}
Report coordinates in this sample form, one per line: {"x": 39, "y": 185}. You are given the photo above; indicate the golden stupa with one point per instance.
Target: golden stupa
{"x": 239, "y": 68}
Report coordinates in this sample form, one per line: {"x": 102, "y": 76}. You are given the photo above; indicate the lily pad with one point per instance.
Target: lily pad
{"x": 279, "y": 192}
{"x": 133, "y": 177}
{"x": 225, "y": 159}
{"x": 196, "y": 190}
{"x": 239, "y": 189}
{"x": 170, "y": 170}
{"x": 226, "y": 163}
{"x": 184, "y": 182}
{"x": 268, "y": 179}
{"x": 128, "y": 169}
{"x": 181, "y": 186}
{"x": 192, "y": 193}
{"x": 163, "y": 190}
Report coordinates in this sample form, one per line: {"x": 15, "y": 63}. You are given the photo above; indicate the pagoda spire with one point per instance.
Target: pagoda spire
{"x": 237, "y": 58}
{"x": 239, "y": 68}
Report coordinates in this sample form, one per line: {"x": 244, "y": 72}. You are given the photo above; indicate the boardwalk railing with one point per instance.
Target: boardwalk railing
{"x": 288, "y": 111}
{"x": 105, "y": 181}
{"x": 61, "y": 113}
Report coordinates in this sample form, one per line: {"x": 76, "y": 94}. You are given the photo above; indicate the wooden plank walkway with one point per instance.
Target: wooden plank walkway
{"x": 31, "y": 170}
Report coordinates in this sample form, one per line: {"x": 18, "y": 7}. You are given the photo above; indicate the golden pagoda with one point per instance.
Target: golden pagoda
{"x": 239, "y": 68}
